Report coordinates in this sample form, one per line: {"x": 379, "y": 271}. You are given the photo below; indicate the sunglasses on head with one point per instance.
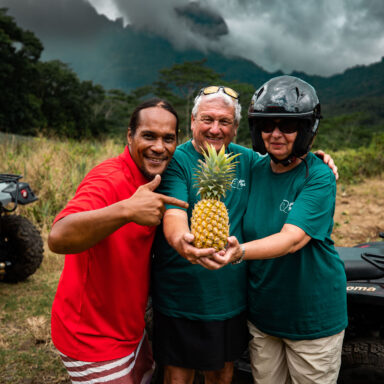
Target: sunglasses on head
{"x": 216, "y": 88}
{"x": 284, "y": 125}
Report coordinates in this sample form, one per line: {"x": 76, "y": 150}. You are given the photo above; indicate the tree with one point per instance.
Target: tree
{"x": 182, "y": 81}
{"x": 70, "y": 107}
{"x": 19, "y": 52}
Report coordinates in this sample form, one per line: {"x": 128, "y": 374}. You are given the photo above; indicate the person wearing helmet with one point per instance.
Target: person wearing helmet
{"x": 297, "y": 309}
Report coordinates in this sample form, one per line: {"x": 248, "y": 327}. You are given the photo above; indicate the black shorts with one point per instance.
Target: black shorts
{"x": 201, "y": 345}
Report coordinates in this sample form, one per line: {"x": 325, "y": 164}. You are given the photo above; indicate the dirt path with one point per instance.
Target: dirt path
{"x": 359, "y": 215}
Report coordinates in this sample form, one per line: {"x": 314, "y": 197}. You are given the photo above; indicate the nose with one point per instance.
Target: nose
{"x": 158, "y": 146}
{"x": 215, "y": 127}
{"x": 276, "y": 131}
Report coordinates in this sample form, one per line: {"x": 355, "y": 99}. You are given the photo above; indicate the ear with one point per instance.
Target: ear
{"x": 236, "y": 126}
{"x": 129, "y": 136}
{"x": 193, "y": 120}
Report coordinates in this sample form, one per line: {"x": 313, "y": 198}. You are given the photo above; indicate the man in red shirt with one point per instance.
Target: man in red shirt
{"x": 106, "y": 232}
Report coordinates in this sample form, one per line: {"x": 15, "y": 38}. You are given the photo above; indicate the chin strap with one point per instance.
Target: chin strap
{"x": 289, "y": 160}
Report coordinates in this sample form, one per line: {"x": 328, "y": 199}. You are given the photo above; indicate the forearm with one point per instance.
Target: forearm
{"x": 269, "y": 247}
{"x": 80, "y": 231}
{"x": 289, "y": 240}
{"x": 175, "y": 226}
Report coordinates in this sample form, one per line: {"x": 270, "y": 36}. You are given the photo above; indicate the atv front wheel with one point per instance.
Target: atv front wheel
{"x": 362, "y": 362}
{"x": 21, "y": 245}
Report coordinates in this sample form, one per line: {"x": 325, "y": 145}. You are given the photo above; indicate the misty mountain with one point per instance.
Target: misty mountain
{"x": 123, "y": 57}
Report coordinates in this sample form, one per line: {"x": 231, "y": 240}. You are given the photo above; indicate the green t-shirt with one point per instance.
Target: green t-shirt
{"x": 300, "y": 295}
{"x": 182, "y": 289}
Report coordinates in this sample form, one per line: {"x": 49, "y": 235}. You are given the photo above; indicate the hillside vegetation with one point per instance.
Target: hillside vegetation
{"x": 48, "y": 98}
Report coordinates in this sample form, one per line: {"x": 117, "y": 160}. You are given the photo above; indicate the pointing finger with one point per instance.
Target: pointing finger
{"x": 173, "y": 201}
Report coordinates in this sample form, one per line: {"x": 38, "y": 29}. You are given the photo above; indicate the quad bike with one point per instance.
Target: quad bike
{"x": 21, "y": 246}
{"x": 363, "y": 347}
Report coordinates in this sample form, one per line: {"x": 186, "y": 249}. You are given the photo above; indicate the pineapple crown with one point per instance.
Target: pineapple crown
{"x": 214, "y": 175}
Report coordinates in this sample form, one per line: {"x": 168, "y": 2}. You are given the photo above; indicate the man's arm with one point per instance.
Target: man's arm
{"x": 178, "y": 235}
{"x": 80, "y": 231}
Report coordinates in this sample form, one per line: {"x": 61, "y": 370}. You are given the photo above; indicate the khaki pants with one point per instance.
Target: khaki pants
{"x": 282, "y": 361}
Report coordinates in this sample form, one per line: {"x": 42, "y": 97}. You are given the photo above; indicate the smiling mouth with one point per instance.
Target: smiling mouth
{"x": 214, "y": 138}
{"x": 156, "y": 160}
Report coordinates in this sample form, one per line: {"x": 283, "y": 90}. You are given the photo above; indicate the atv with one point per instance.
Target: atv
{"x": 21, "y": 246}
{"x": 363, "y": 347}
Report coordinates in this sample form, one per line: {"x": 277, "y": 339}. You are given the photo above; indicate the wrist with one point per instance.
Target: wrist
{"x": 241, "y": 257}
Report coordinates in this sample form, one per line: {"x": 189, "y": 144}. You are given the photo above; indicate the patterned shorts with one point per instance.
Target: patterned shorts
{"x": 136, "y": 368}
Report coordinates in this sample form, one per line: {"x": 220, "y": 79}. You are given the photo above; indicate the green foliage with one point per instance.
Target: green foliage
{"x": 48, "y": 97}
{"x": 356, "y": 164}
{"x": 347, "y": 131}
{"x": 19, "y": 52}
{"x": 44, "y": 96}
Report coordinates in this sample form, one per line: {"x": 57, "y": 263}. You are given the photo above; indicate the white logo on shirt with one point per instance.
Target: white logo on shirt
{"x": 238, "y": 184}
{"x": 285, "y": 206}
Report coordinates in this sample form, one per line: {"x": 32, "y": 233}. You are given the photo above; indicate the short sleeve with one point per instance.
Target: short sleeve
{"x": 174, "y": 182}
{"x": 314, "y": 207}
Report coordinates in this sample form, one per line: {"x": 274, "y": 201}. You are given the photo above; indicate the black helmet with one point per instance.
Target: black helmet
{"x": 285, "y": 97}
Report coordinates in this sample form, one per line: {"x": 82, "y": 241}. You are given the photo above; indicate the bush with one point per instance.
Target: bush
{"x": 357, "y": 164}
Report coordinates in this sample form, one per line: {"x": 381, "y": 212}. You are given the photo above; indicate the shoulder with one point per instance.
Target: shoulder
{"x": 109, "y": 172}
{"x": 184, "y": 155}
{"x": 318, "y": 170}
{"x": 247, "y": 156}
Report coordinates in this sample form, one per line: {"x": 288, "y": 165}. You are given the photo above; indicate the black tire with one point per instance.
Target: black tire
{"x": 22, "y": 245}
{"x": 362, "y": 362}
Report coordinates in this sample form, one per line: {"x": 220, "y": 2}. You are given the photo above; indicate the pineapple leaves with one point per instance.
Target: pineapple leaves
{"x": 214, "y": 175}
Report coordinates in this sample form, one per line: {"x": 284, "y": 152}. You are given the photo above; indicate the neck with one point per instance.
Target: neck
{"x": 280, "y": 168}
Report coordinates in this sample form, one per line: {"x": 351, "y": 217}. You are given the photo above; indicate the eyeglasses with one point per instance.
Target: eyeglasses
{"x": 284, "y": 125}
{"x": 216, "y": 88}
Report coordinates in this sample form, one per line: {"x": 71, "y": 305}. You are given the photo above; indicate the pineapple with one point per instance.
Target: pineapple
{"x": 209, "y": 222}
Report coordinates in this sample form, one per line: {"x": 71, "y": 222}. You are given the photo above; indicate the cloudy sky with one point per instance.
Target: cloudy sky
{"x": 318, "y": 37}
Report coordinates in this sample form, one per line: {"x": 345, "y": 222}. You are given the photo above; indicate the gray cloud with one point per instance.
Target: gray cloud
{"x": 173, "y": 20}
{"x": 72, "y": 18}
{"x": 317, "y": 37}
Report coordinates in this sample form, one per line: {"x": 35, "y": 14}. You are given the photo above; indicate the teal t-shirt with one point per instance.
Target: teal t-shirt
{"x": 300, "y": 295}
{"x": 182, "y": 289}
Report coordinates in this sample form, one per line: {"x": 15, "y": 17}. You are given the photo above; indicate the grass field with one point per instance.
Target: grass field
{"x": 54, "y": 169}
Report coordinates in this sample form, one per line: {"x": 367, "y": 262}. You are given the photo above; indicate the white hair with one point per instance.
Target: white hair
{"x": 226, "y": 98}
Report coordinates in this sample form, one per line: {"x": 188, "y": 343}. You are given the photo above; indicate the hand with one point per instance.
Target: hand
{"x": 329, "y": 161}
{"x": 184, "y": 247}
{"x": 147, "y": 207}
{"x": 220, "y": 259}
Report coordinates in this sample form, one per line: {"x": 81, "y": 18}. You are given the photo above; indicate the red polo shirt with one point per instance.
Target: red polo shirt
{"x": 98, "y": 310}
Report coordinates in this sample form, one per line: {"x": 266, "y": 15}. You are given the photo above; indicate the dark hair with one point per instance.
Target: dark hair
{"x": 154, "y": 102}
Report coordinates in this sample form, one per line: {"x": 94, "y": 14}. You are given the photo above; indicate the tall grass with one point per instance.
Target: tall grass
{"x": 53, "y": 168}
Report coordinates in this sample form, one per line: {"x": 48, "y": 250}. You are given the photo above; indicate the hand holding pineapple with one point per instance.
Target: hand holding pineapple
{"x": 209, "y": 222}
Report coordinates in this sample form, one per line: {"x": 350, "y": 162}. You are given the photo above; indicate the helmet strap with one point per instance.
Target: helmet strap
{"x": 287, "y": 161}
